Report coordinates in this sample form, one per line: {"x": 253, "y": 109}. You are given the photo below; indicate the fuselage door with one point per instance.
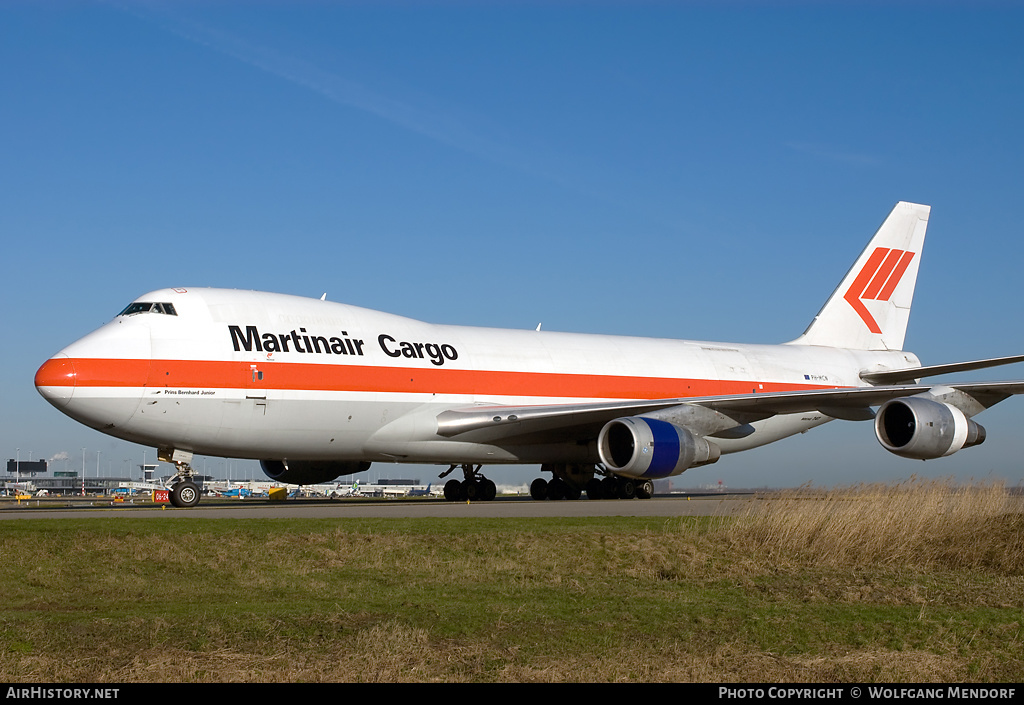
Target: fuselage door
{"x": 255, "y": 389}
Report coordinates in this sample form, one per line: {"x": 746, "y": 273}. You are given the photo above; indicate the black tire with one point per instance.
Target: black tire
{"x": 185, "y": 495}
{"x": 595, "y": 489}
{"x": 470, "y": 490}
{"x": 610, "y": 487}
{"x": 487, "y": 490}
{"x": 644, "y": 489}
{"x": 453, "y": 490}
{"x": 627, "y": 488}
{"x": 557, "y": 489}
{"x": 539, "y": 488}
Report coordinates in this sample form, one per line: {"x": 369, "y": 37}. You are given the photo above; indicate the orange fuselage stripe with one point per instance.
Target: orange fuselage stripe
{"x": 97, "y": 372}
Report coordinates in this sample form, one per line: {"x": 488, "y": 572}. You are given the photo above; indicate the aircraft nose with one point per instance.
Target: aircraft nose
{"x": 56, "y": 379}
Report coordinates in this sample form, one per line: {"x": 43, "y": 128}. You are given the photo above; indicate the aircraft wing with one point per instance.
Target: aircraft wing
{"x": 987, "y": 393}
{"x": 716, "y": 415}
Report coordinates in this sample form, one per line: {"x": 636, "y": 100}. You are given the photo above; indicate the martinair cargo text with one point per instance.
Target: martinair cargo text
{"x": 316, "y": 390}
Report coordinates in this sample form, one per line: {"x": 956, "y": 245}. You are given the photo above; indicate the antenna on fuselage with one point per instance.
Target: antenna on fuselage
{"x": 324, "y": 297}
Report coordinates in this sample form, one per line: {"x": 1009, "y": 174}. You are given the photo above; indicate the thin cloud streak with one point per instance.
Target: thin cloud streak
{"x": 437, "y": 126}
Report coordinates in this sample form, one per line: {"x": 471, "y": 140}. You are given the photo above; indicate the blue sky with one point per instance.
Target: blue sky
{"x": 687, "y": 170}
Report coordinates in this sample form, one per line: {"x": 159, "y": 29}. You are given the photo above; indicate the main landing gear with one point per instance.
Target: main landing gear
{"x": 570, "y": 481}
{"x": 474, "y": 488}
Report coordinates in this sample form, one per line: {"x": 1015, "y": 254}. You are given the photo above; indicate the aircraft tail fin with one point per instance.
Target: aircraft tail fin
{"x": 871, "y": 307}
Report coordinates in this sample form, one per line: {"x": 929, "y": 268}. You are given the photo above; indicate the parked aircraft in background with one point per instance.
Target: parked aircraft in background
{"x": 351, "y": 491}
{"x": 316, "y": 390}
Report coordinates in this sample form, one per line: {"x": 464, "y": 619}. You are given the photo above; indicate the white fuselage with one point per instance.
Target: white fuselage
{"x": 268, "y": 376}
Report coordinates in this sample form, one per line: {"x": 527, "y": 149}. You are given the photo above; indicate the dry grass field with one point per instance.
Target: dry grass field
{"x": 925, "y": 523}
{"x": 917, "y": 582}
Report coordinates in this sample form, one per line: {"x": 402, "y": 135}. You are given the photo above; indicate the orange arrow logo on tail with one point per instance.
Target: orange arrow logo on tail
{"x": 876, "y": 281}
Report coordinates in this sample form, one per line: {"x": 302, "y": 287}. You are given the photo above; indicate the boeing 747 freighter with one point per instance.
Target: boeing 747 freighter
{"x": 316, "y": 390}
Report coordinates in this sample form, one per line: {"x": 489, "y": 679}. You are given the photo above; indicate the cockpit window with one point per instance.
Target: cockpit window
{"x": 136, "y": 307}
{"x": 148, "y": 307}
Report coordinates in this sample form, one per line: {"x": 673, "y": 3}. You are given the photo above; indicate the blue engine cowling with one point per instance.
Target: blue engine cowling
{"x": 310, "y": 472}
{"x": 636, "y": 446}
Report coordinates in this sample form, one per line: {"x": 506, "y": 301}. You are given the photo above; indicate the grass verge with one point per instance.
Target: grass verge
{"x": 811, "y": 587}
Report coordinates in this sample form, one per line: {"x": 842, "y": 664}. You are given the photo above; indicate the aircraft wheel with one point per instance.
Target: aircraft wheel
{"x": 627, "y": 488}
{"x": 185, "y": 494}
{"x": 572, "y": 492}
{"x": 453, "y": 490}
{"x": 539, "y": 488}
{"x": 610, "y": 487}
{"x": 594, "y": 489}
{"x": 556, "y": 489}
{"x": 487, "y": 490}
{"x": 470, "y": 490}
{"x": 644, "y": 489}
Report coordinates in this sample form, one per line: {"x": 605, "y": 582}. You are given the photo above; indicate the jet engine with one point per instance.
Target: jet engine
{"x": 916, "y": 427}
{"x": 310, "y": 472}
{"x": 636, "y": 446}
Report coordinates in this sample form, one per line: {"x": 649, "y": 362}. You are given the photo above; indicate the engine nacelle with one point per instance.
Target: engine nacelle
{"x": 916, "y": 427}
{"x": 636, "y": 446}
{"x": 310, "y": 472}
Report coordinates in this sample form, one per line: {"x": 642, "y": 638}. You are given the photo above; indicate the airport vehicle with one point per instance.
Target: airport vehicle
{"x": 316, "y": 390}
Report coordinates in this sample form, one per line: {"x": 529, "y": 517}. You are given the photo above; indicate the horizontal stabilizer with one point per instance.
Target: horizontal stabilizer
{"x": 915, "y": 373}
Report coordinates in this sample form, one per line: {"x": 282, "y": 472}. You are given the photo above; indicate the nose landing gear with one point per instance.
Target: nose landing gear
{"x": 184, "y": 493}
